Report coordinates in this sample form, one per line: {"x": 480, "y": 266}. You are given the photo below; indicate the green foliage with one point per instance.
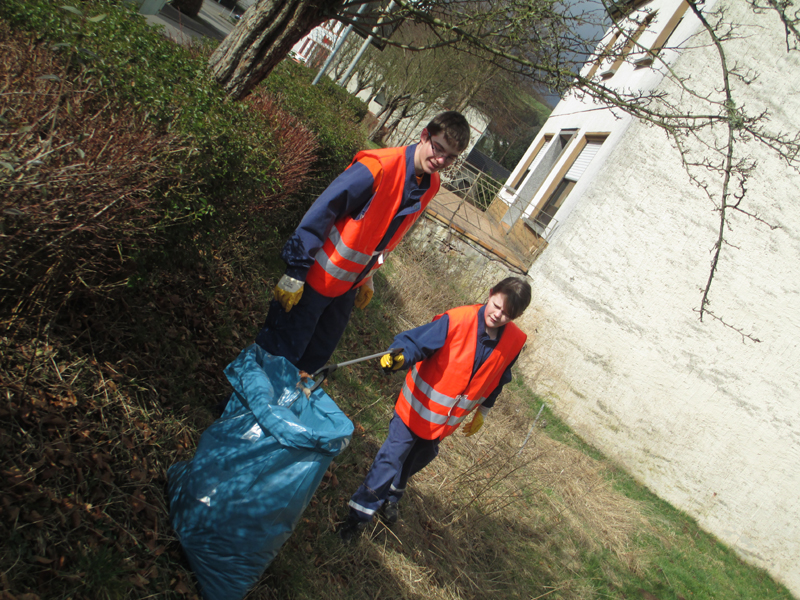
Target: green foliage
{"x": 514, "y": 128}
{"x": 123, "y": 51}
{"x": 35, "y": 16}
{"x": 230, "y": 161}
{"x": 327, "y": 109}
{"x": 228, "y": 157}
{"x": 509, "y": 156}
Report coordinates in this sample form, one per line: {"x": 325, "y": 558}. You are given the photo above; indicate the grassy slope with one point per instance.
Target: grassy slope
{"x": 486, "y": 520}
{"x": 537, "y": 106}
{"x": 85, "y": 511}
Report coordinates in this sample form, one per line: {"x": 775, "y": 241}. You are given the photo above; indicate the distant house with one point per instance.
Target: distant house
{"x": 314, "y": 48}
{"x": 697, "y": 411}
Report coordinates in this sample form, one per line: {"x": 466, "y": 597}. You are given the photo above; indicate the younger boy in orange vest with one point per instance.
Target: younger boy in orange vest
{"x": 459, "y": 363}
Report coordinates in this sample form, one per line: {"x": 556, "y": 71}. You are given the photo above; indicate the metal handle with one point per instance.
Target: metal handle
{"x": 330, "y": 368}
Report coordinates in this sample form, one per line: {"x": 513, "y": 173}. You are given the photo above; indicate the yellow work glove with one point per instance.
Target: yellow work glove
{"x": 364, "y": 294}
{"x": 392, "y": 363}
{"x": 288, "y": 292}
{"x": 474, "y": 425}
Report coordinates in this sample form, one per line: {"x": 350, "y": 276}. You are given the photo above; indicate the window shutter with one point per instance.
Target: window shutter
{"x": 583, "y": 160}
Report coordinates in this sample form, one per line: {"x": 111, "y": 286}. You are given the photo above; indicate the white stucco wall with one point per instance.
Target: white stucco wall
{"x": 705, "y": 419}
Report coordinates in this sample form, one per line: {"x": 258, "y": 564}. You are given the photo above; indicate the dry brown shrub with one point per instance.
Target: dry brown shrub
{"x": 76, "y": 177}
{"x": 297, "y": 145}
{"x": 83, "y": 479}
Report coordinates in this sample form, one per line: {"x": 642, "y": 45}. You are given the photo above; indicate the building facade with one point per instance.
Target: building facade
{"x": 314, "y": 48}
{"x": 698, "y": 411}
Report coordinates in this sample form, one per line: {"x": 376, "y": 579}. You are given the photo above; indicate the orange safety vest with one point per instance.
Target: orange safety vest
{"x": 440, "y": 391}
{"x": 351, "y": 243}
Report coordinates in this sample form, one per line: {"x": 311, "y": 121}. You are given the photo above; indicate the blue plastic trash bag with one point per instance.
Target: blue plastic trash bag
{"x": 255, "y": 470}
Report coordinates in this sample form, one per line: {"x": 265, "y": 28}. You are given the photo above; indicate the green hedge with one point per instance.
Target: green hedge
{"x": 230, "y": 156}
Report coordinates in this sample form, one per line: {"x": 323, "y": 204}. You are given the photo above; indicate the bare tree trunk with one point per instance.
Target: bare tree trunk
{"x": 476, "y": 83}
{"x": 388, "y": 109}
{"x": 390, "y": 129}
{"x": 263, "y": 38}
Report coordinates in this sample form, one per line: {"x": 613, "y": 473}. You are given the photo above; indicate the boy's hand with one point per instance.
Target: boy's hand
{"x": 288, "y": 292}
{"x": 391, "y": 362}
{"x": 363, "y": 296}
{"x": 474, "y": 425}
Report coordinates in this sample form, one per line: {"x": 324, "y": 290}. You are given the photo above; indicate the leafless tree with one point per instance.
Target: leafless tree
{"x": 708, "y": 123}
{"x": 538, "y": 39}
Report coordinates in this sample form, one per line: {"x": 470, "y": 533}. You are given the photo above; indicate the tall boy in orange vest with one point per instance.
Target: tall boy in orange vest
{"x": 459, "y": 363}
{"x": 344, "y": 237}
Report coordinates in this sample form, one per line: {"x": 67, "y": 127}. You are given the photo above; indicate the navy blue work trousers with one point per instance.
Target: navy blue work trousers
{"x": 402, "y": 455}
{"x": 307, "y": 335}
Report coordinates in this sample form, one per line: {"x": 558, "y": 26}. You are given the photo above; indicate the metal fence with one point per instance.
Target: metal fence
{"x": 472, "y": 185}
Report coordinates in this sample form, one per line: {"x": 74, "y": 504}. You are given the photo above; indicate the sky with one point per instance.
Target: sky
{"x": 596, "y": 23}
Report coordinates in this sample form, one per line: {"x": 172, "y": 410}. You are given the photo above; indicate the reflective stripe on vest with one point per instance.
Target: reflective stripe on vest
{"x": 435, "y": 398}
{"x": 348, "y": 253}
{"x": 445, "y": 402}
{"x": 353, "y": 256}
{"x": 351, "y": 244}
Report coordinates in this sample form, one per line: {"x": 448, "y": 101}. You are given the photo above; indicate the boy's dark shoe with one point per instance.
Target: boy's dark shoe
{"x": 389, "y": 513}
{"x": 351, "y": 529}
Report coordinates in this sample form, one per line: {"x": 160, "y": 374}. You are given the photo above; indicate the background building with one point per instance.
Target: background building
{"x": 698, "y": 411}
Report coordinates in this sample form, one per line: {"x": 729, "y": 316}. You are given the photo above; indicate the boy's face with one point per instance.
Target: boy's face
{"x": 434, "y": 153}
{"x": 495, "y": 315}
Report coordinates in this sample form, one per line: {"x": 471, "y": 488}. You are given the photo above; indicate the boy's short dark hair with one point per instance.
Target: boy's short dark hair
{"x": 517, "y": 293}
{"x": 454, "y": 126}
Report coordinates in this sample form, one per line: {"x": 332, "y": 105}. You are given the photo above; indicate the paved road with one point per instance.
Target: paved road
{"x": 212, "y": 22}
